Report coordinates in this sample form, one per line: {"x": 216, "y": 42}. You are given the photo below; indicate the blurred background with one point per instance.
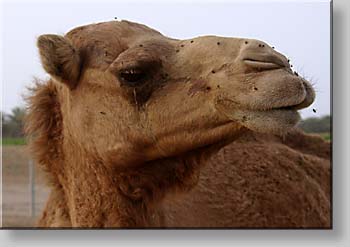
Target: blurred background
{"x": 299, "y": 29}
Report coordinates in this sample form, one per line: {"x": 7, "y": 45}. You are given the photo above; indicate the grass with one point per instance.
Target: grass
{"x": 13, "y": 141}
{"x": 326, "y": 136}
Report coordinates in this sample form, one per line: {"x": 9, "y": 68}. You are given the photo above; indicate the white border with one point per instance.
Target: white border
{"x": 339, "y": 236}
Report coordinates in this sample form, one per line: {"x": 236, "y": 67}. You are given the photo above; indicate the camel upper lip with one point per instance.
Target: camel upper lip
{"x": 300, "y": 100}
{"x": 305, "y": 102}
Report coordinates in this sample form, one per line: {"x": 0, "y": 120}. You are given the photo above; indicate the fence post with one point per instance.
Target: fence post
{"x": 32, "y": 187}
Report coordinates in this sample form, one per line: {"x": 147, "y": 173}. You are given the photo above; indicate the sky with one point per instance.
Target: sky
{"x": 300, "y": 30}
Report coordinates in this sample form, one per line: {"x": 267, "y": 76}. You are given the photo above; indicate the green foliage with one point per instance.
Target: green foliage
{"x": 12, "y": 124}
{"x": 13, "y": 141}
{"x": 326, "y": 136}
{"x": 316, "y": 125}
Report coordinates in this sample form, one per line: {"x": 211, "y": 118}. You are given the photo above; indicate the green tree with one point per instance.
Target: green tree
{"x": 316, "y": 125}
{"x": 12, "y": 124}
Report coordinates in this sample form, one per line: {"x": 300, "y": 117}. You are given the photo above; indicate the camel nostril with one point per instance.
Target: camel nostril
{"x": 261, "y": 63}
{"x": 259, "y": 55}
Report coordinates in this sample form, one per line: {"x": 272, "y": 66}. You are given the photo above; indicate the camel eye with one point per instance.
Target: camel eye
{"x": 132, "y": 77}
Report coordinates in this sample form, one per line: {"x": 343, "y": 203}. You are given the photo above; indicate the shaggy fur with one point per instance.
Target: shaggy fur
{"x": 43, "y": 124}
{"x": 122, "y": 198}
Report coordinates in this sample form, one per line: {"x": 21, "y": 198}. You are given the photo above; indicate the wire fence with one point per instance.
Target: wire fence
{"x": 32, "y": 187}
{"x": 23, "y": 197}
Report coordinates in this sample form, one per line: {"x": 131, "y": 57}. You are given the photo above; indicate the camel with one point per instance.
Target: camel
{"x": 131, "y": 121}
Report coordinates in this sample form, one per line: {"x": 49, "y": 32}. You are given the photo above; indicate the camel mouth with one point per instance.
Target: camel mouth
{"x": 298, "y": 104}
{"x": 294, "y": 107}
{"x": 276, "y": 118}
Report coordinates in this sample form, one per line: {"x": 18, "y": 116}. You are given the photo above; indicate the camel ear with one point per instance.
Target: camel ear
{"x": 60, "y": 59}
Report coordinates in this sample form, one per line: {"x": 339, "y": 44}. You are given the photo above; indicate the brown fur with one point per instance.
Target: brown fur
{"x": 258, "y": 181}
{"x": 115, "y": 150}
{"x": 44, "y": 124}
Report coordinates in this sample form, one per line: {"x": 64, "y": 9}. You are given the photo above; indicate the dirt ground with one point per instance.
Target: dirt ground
{"x": 16, "y": 189}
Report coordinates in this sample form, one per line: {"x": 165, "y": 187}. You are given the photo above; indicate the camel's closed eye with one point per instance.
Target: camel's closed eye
{"x": 135, "y": 67}
{"x": 133, "y": 76}
{"x": 139, "y": 74}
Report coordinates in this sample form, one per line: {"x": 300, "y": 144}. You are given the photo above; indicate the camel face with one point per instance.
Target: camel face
{"x": 133, "y": 95}
{"x": 247, "y": 80}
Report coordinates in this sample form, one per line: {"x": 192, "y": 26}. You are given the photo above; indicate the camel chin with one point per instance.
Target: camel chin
{"x": 277, "y": 121}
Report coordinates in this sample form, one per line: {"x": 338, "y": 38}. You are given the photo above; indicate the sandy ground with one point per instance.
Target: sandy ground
{"x": 16, "y": 189}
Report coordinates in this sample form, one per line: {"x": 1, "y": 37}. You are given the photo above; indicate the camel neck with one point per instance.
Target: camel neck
{"x": 98, "y": 196}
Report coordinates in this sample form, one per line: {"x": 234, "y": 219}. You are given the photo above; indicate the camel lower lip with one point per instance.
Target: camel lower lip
{"x": 270, "y": 121}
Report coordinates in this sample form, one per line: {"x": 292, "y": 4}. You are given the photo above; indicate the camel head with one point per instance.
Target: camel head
{"x": 133, "y": 95}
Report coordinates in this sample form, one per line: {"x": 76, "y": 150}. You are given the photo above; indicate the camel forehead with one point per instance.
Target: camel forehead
{"x": 129, "y": 31}
{"x": 101, "y": 43}
{"x": 110, "y": 31}
{"x": 123, "y": 27}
